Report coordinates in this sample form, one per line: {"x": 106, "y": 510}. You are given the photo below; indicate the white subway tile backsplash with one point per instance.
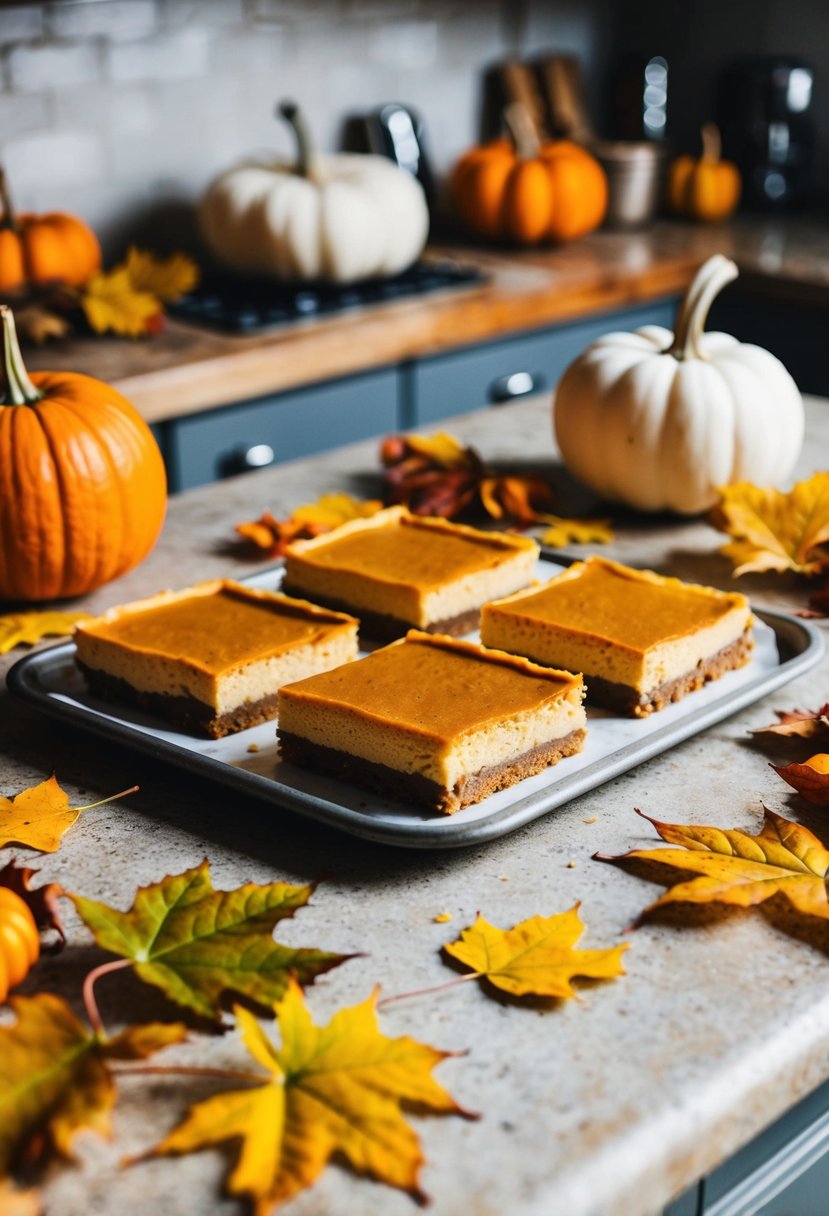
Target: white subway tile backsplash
{"x": 174, "y": 56}
{"x": 174, "y": 13}
{"x": 131, "y": 109}
{"x": 23, "y": 112}
{"x": 73, "y": 158}
{"x": 405, "y": 45}
{"x": 116, "y": 20}
{"x": 36, "y": 66}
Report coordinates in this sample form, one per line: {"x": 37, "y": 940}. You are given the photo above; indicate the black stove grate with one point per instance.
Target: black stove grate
{"x": 249, "y": 305}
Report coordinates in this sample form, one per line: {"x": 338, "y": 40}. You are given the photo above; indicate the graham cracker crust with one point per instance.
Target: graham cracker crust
{"x": 626, "y": 700}
{"x": 420, "y": 790}
{"x": 185, "y": 712}
{"x": 380, "y": 627}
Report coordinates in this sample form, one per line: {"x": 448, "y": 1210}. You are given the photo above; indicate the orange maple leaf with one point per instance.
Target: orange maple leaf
{"x": 273, "y": 535}
{"x": 773, "y": 530}
{"x": 799, "y": 723}
{"x": 810, "y": 779}
{"x": 335, "y": 1089}
{"x": 27, "y": 628}
{"x": 734, "y": 867}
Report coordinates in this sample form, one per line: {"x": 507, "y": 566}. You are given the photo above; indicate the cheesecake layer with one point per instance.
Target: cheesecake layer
{"x": 398, "y": 567}
{"x": 437, "y": 709}
{"x": 219, "y": 644}
{"x": 631, "y": 629}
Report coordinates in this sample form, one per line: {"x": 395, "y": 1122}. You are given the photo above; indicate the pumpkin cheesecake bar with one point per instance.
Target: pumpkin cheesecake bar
{"x": 641, "y": 640}
{"x": 212, "y": 657}
{"x": 433, "y": 721}
{"x": 397, "y": 571}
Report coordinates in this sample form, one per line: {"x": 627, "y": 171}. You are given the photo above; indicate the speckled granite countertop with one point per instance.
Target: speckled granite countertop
{"x": 612, "y": 1104}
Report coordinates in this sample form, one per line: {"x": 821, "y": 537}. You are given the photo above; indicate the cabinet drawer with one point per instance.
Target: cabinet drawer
{"x": 209, "y": 446}
{"x": 502, "y": 371}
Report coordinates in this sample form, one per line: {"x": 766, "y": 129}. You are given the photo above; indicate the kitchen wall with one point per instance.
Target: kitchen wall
{"x": 120, "y": 109}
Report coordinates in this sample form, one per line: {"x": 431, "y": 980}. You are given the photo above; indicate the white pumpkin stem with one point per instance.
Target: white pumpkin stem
{"x": 307, "y": 164}
{"x": 708, "y": 282}
{"x": 522, "y": 131}
{"x": 711, "y": 143}
{"x": 8, "y": 219}
{"x": 19, "y": 389}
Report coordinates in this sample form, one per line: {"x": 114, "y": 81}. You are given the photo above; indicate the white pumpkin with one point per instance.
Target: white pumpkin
{"x": 338, "y": 218}
{"x": 660, "y": 420}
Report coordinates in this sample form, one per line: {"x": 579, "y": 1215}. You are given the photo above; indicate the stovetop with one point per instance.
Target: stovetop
{"x": 246, "y": 305}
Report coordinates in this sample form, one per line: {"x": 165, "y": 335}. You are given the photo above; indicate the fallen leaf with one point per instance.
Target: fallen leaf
{"x": 26, "y": 628}
{"x": 14, "y": 1202}
{"x": 110, "y": 301}
{"x": 38, "y": 324}
{"x": 774, "y": 530}
{"x": 521, "y": 499}
{"x": 810, "y": 779}
{"x": 442, "y": 449}
{"x": 38, "y": 817}
{"x": 536, "y": 957}
{"x": 274, "y": 535}
{"x": 196, "y": 943}
{"x": 562, "y": 532}
{"x": 442, "y": 918}
{"x": 165, "y": 278}
{"x": 734, "y": 867}
{"x": 336, "y": 1089}
{"x": 798, "y": 723}
{"x": 54, "y": 1075}
{"x": 42, "y": 901}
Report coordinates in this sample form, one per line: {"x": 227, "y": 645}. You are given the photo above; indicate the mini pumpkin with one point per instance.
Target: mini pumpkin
{"x": 337, "y": 218}
{"x": 528, "y": 191}
{"x": 44, "y": 248}
{"x": 704, "y": 189}
{"x": 19, "y": 940}
{"x": 82, "y": 483}
{"x": 661, "y": 420}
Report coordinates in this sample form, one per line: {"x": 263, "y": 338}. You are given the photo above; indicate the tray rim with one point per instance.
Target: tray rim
{"x": 801, "y": 636}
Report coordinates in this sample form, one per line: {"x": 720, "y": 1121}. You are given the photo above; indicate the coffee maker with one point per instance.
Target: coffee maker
{"x": 765, "y": 117}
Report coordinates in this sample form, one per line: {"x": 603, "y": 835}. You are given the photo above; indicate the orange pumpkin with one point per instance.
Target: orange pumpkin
{"x": 19, "y": 940}
{"x": 82, "y": 484}
{"x": 525, "y": 191}
{"x": 705, "y": 189}
{"x": 44, "y": 248}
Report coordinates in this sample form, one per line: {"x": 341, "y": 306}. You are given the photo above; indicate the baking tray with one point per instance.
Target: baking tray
{"x": 786, "y": 647}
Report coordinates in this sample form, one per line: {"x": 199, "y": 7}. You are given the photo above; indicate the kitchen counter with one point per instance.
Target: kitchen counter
{"x": 187, "y": 370}
{"x": 611, "y": 1104}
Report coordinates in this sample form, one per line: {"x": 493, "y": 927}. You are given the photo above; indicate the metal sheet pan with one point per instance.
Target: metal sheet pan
{"x": 248, "y": 761}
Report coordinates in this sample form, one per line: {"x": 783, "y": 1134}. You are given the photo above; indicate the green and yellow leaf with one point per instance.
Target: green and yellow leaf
{"x": 336, "y": 1089}
{"x": 54, "y": 1075}
{"x": 197, "y": 944}
{"x": 536, "y": 957}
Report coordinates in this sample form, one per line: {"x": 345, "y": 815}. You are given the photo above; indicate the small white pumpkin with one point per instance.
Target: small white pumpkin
{"x": 337, "y": 218}
{"x": 660, "y": 420}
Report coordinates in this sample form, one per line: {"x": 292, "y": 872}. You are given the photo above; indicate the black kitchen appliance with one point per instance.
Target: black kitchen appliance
{"x": 765, "y": 115}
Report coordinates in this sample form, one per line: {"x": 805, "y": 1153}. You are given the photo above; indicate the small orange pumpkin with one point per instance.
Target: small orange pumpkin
{"x": 83, "y": 489}
{"x": 525, "y": 191}
{"x": 44, "y": 248}
{"x": 705, "y": 189}
{"x": 19, "y": 940}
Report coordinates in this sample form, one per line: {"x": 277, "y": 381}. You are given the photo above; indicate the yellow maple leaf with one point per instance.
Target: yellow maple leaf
{"x": 442, "y": 448}
{"x": 54, "y": 1075}
{"x": 331, "y": 510}
{"x": 332, "y": 1089}
{"x": 734, "y": 867}
{"x": 39, "y": 816}
{"x": 536, "y": 957}
{"x": 110, "y": 300}
{"x": 562, "y": 532}
{"x": 164, "y": 278}
{"x": 774, "y": 530}
{"x": 26, "y": 628}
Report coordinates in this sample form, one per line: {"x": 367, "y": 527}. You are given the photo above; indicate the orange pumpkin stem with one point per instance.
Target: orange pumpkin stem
{"x": 19, "y": 389}
{"x": 711, "y": 143}
{"x": 9, "y": 217}
{"x": 522, "y": 131}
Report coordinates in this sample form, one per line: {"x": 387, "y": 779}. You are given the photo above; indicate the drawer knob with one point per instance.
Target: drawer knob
{"x": 244, "y": 460}
{"x": 516, "y": 384}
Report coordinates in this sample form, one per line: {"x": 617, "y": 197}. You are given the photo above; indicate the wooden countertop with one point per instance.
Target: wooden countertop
{"x": 186, "y": 369}
{"x": 611, "y": 1104}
